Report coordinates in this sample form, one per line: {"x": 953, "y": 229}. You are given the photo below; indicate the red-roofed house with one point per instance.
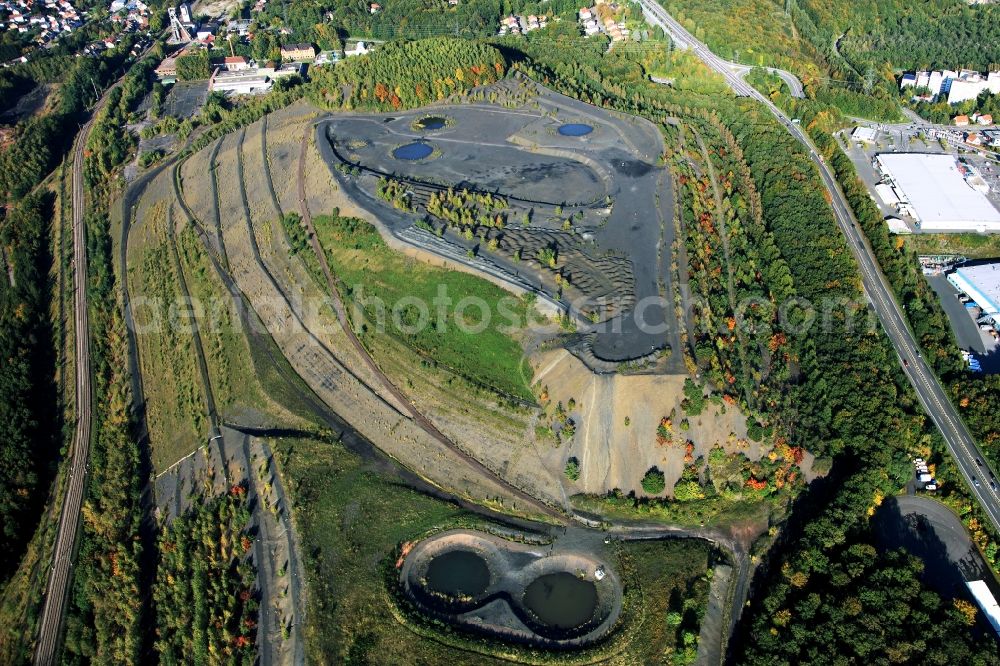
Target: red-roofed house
{"x": 236, "y": 64}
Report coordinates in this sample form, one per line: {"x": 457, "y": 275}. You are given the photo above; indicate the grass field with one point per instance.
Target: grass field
{"x": 371, "y": 270}
{"x": 175, "y": 400}
{"x": 674, "y": 597}
{"x": 974, "y": 246}
{"x": 234, "y": 382}
{"x": 351, "y": 518}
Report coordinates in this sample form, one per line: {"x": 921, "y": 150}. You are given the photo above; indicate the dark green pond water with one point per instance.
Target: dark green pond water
{"x": 561, "y": 600}
{"x": 458, "y": 572}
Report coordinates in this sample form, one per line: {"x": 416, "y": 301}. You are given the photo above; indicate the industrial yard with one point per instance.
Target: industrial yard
{"x": 926, "y": 181}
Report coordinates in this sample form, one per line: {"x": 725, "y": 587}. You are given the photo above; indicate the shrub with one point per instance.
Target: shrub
{"x": 654, "y": 482}
{"x": 572, "y": 469}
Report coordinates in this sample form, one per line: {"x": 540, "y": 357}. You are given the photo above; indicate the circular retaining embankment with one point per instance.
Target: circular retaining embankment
{"x": 503, "y": 609}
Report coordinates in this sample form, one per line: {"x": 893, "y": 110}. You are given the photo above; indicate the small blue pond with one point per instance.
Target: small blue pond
{"x": 413, "y": 151}
{"x": 575, "y": 129}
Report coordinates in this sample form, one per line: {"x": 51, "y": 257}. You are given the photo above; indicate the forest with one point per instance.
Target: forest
{"x": 880, "y": 613}
{"x": 908, "y": 35}
{"x": 28, "y": 423}
{"x": 328, "y": 23}
{"x": 205, "y": 603}
{"x": 407, "y": 74}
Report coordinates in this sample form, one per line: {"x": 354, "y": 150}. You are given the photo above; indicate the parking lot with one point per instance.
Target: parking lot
{"x": 967, "y": 332}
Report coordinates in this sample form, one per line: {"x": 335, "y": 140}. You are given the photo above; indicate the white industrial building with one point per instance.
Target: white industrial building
{"x": 981, "y": 593}
{"x": 981, "y": 283}
{"x": 887, "y": 195}
{"x": 865, "y": 134}
{"x": 248, "y": 82}
{"x": 970, "y": 84}
{"x": 936, "y": 191}
{"x": 252, "y": 81}
{"x": 958, "y": 86}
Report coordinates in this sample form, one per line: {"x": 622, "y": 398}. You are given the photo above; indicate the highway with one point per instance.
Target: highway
{"x": 932, "y": 396}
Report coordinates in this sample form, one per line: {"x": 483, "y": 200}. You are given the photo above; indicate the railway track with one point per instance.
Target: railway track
{"x": 60, "y": 575}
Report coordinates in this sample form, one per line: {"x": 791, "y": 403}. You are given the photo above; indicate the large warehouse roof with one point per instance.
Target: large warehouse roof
{"x": 981, "y": 283}
{"x": 938, "y": 193}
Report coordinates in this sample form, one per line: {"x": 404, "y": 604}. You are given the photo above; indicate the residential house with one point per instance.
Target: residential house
{"x": 235, "y": 64}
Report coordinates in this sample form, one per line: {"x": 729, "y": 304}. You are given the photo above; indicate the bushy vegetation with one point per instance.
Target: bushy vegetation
{"x": 402, "y": 75}
{"x": 193, "y": 66}
{"x": 110, "y": 143}
{"x": 105, "y": 614}
{"x": 572, "y": 470}
{"x": 28, "y": 421}
{"x": 206, "y": 609}
{"x": 653, "y": 482}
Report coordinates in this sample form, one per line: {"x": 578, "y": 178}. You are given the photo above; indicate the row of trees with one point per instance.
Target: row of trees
{"x": 27, "y": 400}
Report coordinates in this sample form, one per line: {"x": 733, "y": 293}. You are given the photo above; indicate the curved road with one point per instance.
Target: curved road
{"x": 932, "y": 396}
{"x": 792, "y": 81}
